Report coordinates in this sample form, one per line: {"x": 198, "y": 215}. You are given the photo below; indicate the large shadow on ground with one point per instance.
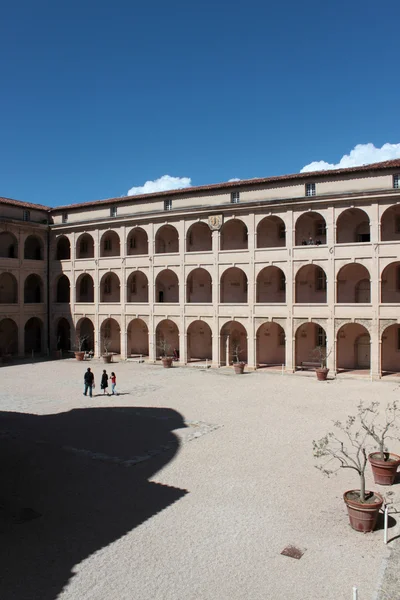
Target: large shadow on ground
{"x": 86, "y": 472}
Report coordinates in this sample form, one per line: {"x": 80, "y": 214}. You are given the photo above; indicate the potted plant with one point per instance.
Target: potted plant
{"x": 107, "y": 355}
{"x": 320, "y": 354}
{"x": 238, "y": 365}
{"x": 79, "y": 344}
{"x": 166, "y": 353}
{"x": 348, "y": 450}
{"x": 384, "y": 464}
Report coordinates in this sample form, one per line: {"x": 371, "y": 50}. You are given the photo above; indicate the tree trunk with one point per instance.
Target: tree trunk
{"x": 362, "y": 487}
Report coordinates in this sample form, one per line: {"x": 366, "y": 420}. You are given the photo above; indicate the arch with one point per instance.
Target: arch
{"x": 271, "y": 233}
{"x": 8, "y": 245}
{"x": 33, "y": 289}
{"x": 233, "y": 343}
{"x": 234, "y": 235}
{"x": 390, "y": 283}
{"x": 85, "y": 288}
{"x": 353, "y": 348}
{"x": 137, "y": 287}
{"x": 167, "y": 338}
{"x": 110, "y": 244}
{"x": 63, "y": 334}
{"x": 110, "y": 288}
{"x": 352, "y": 225}
{"x": 33, "y": 249}
{"x": 138, "y": 338}
{"x": 390, "y": 356}
{"x": 270, "y": 345}
{"x": 233, "y": 286}
{"x": 137, "y": 242}
{"x": 8, "y": 289}
{"x": 84, "y": 335}
{"x": 167, "y": 240}
{"x": 63, "y": 248}
{"x": 85, "y": 246}
{"x": 110, "y": 337}
{"x": 63, "y": 289}
{"x": 310, "y": 285}
{"x": 390, "y": 224}
{"x": 271, "y": 285}
{"x": 353, "y": 284}
{"x": 199, "y": 286}
{"x": 199, "y": 341}
{"x": 199, "y": 238}
{"x": 33, "y": 334}
{"x": 310, "y": 229}
{"x": 167, "y": 286}
{"x": 309, "y": 337}
{"x": 8, "y": 337}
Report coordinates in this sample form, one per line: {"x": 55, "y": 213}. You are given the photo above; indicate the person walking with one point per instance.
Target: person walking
{"x": 88, "y": 381}
{"x": 104, "y": 382}
{"x": 113, "y": 384}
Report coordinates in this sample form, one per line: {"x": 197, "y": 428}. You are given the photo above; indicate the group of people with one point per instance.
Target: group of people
{"x": 90, "y": 384}
{"x": 311, "y": 242}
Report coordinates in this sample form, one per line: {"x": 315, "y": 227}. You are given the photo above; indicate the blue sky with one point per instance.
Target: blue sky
{"x": 99, "y": 97}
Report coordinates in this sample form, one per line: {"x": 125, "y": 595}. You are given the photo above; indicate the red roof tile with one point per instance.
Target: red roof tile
{"x": 22, "y": 204}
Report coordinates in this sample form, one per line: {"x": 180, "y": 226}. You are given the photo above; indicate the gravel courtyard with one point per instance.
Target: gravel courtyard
{"x": 188, "y": 485}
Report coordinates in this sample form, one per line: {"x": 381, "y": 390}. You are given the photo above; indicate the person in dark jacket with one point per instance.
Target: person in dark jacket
{"x": 104, "y": 382}
{"x": 88, "y": 380}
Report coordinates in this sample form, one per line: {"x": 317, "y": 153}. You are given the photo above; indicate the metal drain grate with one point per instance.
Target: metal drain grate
{"x": 292, "y": 552}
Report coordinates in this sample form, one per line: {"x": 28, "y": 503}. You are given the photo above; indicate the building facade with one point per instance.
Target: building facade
{"x": 265, "y": 270}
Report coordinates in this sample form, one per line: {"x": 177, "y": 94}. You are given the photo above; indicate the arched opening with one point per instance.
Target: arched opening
{"x": 138, "y": 338}
{"x": 63, "y": 250}
{"x": 33, "y": 248}
{"x": 137, "y": 242}
{"x": 137, "y": 287}
{"x": 85, "y": 288}
{"x": 110, "y": 338}
{"x": 390, "y": 224}
{"x": 199, "y": 286}
{"x": 110, "y": 288}
{"x": 110, "y": 244}
{"x": 233, "y": 286}
{"x": 63, "y": 335}
{"x": 33, "y": 336}
{"x": 390, "y": 358}
{"x": 84, "y": 335}
{"x": 352, "y": 226}
{"x": 271, "y": 233}
{"x": 310, "y": 230}
{"x": 8, "y": 289}
{"x": 270, "y": 345}
{"x": 8, "y": 245}
{"x": 310, "y": 285}
{"x": 310, "y": 342}
{"x": 63, "y": 289}
{"x": 167, "y": 287}
{"x": 167, "y": 339}
{"x": 234, "y": 235}
{"x": 271, "y": 285}
{"x": 33, "y": 289}
{"x": 8, "y": 337}
{"x": 85, "y": 246}
{"x": 390, "y": 289}
{"x": 353, "y": 284}
{"x": 353, "y": 348}
{"x": 167, "y": 240}
{"x": 233, "y": 343}
{"x": 199, "y": 238}
{"x": 199, "y": 342}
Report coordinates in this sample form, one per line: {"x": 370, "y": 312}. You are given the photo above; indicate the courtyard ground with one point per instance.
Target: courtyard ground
{"x": 188, "y": 485}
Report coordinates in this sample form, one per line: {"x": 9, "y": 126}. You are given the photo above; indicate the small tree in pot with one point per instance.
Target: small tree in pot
{"x": 320, "y": 354}
{"x": 107, "y": 355}
{"x": 238, "y": 364}
{"x": 347, "y": 449}
{"x": 80, "y": 342}
{"x": 166, "y": 353}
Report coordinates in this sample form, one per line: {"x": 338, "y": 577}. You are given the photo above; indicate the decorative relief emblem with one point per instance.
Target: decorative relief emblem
{"x": 215, "y": 222}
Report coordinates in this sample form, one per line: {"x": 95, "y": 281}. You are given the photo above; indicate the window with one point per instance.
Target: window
{"x": 107, "y": 244}
{"x": 65, "y": 217}
{"x": 84, "y": 286}
{"x": 397, "y": 225}
{"x": 282, "y": 282}
{"x": 321, "y": 337}
{"x": 320, "y": 228}
{"x": 107, "y": 285}
{"x": 396, "y": 181}
{"x": 282, "y": 339}
{"x": 113, "y": 211}
{"x": 235, "y": 198}
{"x": 168, "y": 204}
{"x": 310, "y": 189}
{"x": 83, "y": 247}
{"x": 133, "y": 285}
{"x": 281, "y": 232}
{"x": 132, "y": 243}
{"x": 398, "y": 278}
{"x": 26, "y": 215}
{"x": 320, "y": 283}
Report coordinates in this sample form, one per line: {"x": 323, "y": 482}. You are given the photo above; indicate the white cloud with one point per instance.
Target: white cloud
{"x": 362, "y": 154}
{"x": 164, "y": 183}
{"x": 233, "y": 180}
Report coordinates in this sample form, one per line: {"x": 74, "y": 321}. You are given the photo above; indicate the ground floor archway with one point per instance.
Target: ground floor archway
{"x": 137, "y": 338}
{"x": 167, "y": 339}
{"x": 233, "y": 343}
{"x": 270, "y": 345}
{"x": 390, "y": 350}
{"x": 199, "y": 341}
{"x": 310, "y": 345}
{"x": 110, "y": 337}
{"x": 33, "y": 334}
{"x": 63, "y": 335}
{"x": 8, "y": 337}
{"x": 84, "y": 335}
{"x": 353, "y": 348}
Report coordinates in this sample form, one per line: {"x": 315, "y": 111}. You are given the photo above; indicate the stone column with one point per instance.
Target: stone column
{"x": 289, "y": 333}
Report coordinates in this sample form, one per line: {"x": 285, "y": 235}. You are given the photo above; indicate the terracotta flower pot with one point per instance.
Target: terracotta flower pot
{"x": 107, "y": 358}
{"x": 362, "y": 515}
{"x": 384, "y": 470}
{"x": 167, "y": 362}
{"x": 322, "y": 373}
{"x": 239, "y": 367}
{"x": 79, "y": 355}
